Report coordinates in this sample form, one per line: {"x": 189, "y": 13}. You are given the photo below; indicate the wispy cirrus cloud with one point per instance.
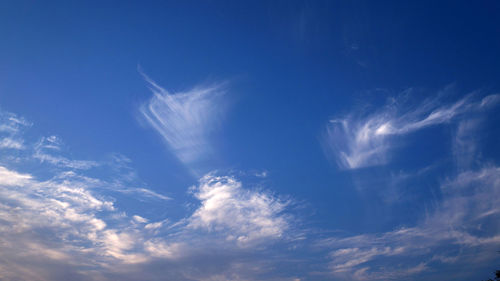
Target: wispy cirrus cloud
{"x": 185, "y": 120}
{"x": 11, "y": 126}
{"x": 46, "y": 150}
{"x": 358, "y": 141}
{"x": 466, "y": 221}
{"x": 460, "y": 225}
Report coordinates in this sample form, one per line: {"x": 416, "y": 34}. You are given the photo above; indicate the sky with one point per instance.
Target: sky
{"x": 249, "y": 140}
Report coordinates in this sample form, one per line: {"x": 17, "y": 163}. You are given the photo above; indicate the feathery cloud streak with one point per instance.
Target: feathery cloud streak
{"x": 462, "y": 225}
{"x": 185, "y": 120}
{"x": 364, "y": 141}
{"x": 465, "y": 222}
{"x": 11, "y": 127}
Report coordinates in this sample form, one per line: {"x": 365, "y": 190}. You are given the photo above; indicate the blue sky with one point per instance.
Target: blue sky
{"x": 266, "y": 140}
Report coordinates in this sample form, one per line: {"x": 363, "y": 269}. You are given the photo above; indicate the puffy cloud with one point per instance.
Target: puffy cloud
{"x": 247, "y": 216}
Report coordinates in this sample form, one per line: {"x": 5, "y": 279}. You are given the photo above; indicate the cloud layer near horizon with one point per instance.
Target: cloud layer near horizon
{"x": 68, "y": 225}
{"x": 460, "y": 231}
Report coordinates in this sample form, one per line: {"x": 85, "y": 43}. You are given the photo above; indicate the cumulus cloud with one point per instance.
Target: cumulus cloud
{"x": 361, "y": 141}
{"x": 185, "y": 120}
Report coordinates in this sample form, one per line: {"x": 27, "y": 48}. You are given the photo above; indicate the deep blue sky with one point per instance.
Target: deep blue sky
{"x": 353, "y": 121}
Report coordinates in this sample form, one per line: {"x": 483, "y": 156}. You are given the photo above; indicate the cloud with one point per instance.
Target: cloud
{"x": 54, "y": 220}
{"x": 185, "y": 120}
{"x": 10, "y": 128}
{"x": 358, "y": 141}
{"x": 45, "y": 151}
{"x": 59, "y": 221}
{"x": 66, "y": 222}
{"x": 11, "y": 143}
{"x": 460, "y": 224}
{"x": 466, "y": 221}
{"x": 10, "y": 178}
{"x": 143, "y": 192}
{"x": 246, "y": 216}
{"x": 465, "y": 147}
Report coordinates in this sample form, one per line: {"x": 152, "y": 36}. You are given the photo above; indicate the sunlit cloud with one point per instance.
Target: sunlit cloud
{"x": 459, "y": 226}
{"x": 246, "y": 216}
{"x": 11, "y": 126}
{"x": 357, "y": 141}
{"x": 46, "y": 151}
{"x": 185, "y": 120}
{"x": 67, "y": 223}
{"x": 451, "y": 229}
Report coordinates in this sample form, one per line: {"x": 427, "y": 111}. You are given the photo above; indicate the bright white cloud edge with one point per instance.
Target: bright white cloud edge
{"x": 362, "y": 141}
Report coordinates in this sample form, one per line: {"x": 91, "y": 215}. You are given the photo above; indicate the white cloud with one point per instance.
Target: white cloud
{"x": 11, "y": 178}
{"x": 465, "y": 221}
{"x": 245, "y": 216}
{"x": 160, "y": 249}
{"x": 59, "y": 221}
{"x": 360, "y": 141}
{"x": 185, "y": 120}
{"x": 143, "y": 192}
{"x": 11, "y": 123}
{"x": 10, "y": 128}
{"x": 64, "y": 226}
{"x": 44, "y": 152}
{"x": 139, "y": 219}
{"x": 11, "y": 143}
{"x": 461, "y": 225}
{"x": 67, "y": 222}
{"x": 155, "y": 225}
